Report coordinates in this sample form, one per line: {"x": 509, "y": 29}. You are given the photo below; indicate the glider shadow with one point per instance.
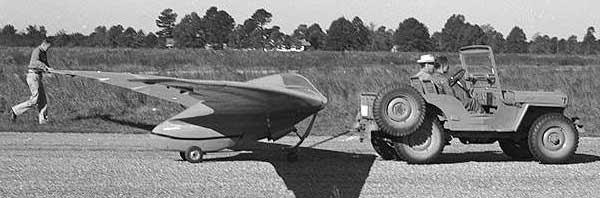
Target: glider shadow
{"x": 317, "y": 173}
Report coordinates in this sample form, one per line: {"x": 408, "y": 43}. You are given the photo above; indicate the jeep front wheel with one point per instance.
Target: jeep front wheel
{"x": 553, "y": 138}
{"x": 399, "y": 110}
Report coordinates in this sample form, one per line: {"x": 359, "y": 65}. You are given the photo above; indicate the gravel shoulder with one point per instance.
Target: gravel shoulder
{"x": 124, "y": 165}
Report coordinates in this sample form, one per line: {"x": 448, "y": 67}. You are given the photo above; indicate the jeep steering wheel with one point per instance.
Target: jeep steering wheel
{"x": 455, "y": 80}
{"x": 456, "y": 77}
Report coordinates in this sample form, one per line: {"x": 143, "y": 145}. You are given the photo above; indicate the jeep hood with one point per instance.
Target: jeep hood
{"x": 541, "y": 98}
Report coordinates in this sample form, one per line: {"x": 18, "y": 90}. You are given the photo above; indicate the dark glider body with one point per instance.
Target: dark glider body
{"x": 222, "y": 114}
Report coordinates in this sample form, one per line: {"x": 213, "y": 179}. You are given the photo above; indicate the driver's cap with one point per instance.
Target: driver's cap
{"x": 427, "y": 58}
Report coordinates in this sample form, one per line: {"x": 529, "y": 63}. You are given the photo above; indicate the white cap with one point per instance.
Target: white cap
{"x": 427, "y": 58}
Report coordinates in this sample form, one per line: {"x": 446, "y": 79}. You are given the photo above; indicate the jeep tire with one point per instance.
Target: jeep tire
{"x": 399, "y": 110}
{"x": 383, "y": 146}
{"x": 553, "y": 138}
{"x": 425, "y": 144}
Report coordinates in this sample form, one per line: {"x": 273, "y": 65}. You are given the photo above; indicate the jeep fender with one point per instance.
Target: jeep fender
{"x": 530, "y": 112}
{"x": 451, "y": 108}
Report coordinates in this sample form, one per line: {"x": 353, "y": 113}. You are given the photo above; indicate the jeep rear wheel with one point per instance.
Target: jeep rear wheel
{"x": 553, "y": 138}
{"x": 384, "y": 147}
{"x": 399, "y": 110}
{"x": 425, "y": 144}
{"x": 517, "y": 150}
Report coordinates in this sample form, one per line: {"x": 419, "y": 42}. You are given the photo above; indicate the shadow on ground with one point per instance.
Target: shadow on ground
{"x": 109, "y": 118}
{"x": 317, "y": 173}
{"x": 327, "y": 173}
{"x": 496, "y": 156}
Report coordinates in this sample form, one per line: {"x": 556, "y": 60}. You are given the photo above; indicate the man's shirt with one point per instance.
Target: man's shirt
{"x": 442, "y": 84}
{"x": 39, "y": 60}
{"x": 423, "y": 75}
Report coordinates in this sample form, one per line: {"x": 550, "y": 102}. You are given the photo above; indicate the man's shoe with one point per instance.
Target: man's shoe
{"x": 12, "y": 116}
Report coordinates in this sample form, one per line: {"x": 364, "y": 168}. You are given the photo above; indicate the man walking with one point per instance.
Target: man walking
{"x": 37, "y": 65}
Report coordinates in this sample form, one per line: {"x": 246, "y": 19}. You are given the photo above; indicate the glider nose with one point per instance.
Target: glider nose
{"x": 169, "y": 135}
{"x": 322, "y": 106}
{"x": 176, "y": 135}
{"x": 160, "y": 138}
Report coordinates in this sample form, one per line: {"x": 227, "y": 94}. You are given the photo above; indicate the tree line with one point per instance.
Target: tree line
{"x": 115, "y": 36}
{"x": 216, "y": 29}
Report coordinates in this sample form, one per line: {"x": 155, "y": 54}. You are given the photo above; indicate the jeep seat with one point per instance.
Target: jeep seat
{"x": 424, "y": 86}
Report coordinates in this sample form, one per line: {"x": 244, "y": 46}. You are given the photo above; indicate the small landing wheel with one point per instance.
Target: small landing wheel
{"x": 193, "y": 154}
{"x": 292, "y": 156}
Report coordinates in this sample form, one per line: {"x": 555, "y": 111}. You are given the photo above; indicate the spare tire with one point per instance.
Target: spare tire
{"x": 399, "y": 110}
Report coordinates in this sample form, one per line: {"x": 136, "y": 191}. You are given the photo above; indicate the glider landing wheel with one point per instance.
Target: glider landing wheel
{"x": 292, "y": 154}
{"x": 194, "y": 154}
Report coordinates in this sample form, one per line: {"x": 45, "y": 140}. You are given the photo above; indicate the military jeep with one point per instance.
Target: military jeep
{"x": 414, "y": 121}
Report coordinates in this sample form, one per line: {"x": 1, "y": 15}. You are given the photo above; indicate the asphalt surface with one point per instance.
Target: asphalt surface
{"x": 117, "y": 165}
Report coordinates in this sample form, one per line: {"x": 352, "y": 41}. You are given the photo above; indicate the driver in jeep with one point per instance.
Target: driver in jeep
{"x": 435, "y": 69}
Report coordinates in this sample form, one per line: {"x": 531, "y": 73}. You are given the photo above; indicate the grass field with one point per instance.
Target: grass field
{"x": 84, "y": 105}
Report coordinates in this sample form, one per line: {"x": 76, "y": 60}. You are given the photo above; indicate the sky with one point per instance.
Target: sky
{"x": 560, "y": 18}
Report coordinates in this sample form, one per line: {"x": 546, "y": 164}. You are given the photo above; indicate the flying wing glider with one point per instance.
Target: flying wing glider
{"x": 222, "y": 114}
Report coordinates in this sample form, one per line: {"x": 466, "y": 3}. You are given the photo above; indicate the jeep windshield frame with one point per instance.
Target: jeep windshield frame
{"x": 478, "y": 59}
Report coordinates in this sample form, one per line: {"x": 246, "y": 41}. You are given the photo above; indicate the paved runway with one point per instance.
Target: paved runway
{"x": 117, "y": 165}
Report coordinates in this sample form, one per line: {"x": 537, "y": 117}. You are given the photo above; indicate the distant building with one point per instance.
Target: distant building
{"x": 170, "y": 43}
{"x": 304, "y": 43}
{"x": 396, "y": 48}
{"x": 301, "y": 45}
{"x": 215, "y": 46}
